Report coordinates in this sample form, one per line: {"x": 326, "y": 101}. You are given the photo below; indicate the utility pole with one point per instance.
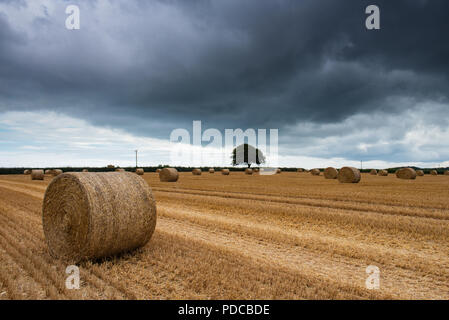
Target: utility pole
{"x": 136, "y": 157}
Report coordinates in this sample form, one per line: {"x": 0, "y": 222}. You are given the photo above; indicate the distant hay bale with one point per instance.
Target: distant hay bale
{"x": 56, "y": 172}
{"x": 120, "y": 170}
{"x": 27, "y": 172}
{"x": 111, "y": 166}
{"x": 278, "y": 171}
{"x": 433, "y": 172}
{"x": 248, "y": 171}
{"x": 383, "y": 173}
{"x": 94, "y": 215}
{"x": 256, "y": 169}
{"x": 37, "y": 174}
{"x": 140, "y": 171}
{"x": 300, "y": 170}
{"x": 419, "y": 173}
{"x": 211, "y": 170}
{"x": 48, "y": 171}
{"x": 446, "y": 173}
{"x": 225, "y": 172}
{"x": 330, "y": 173}
{"x": 315, "y": 172}
{"x": 85, "y": 170}
{"x": 168, "y": 175}
{"x": 406, "y": 173}
{"x": 373, "y": 172}
{"x": 158, "y": 170}
{"x": 196, "y": 172}
{"x": 349, "y": 175}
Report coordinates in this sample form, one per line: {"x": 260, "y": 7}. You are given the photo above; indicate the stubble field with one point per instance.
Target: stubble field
{"x": 287, "y": 236}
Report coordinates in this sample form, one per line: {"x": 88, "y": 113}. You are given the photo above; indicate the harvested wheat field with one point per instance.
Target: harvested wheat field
{"x": 287, "y": 236}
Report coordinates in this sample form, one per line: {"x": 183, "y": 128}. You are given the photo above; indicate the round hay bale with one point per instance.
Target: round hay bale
{"x": 48, "y": 171}
{"x": 111, "y": 166}
{"x": 249, "y": 171}
{"x": 85, "y": 170}
{"x": 119, "y": 170}
{"x": 406, "y": 173}
{"x": 37, "y": 174}
{"x": 373, "y": 172}
{"x": 278, "y": 171}
{"x": 211, "y": 170}
{"x": 330, "y": 173}
{"x": 225, "y": 172}
{"x": 256, "y": 170}
{"x": 196, "y": 172}
{"x": 349, "y": 175}
{"x": 168, "y": 175}
{"x": 433, "y": 172}
{"x": 158, "y": 170}
{"x": 315, "y": 172}
{"x": 383, "y": 173}
{"x": 56, "y": 172}
{"x": 94, "y": 215}
{"x": 300, "y": 170}
{"x": 140, "y": 171}
{"x": 446, "y": 173}
{"x": 419, "y": 173}
{"x": 27, "y": 172}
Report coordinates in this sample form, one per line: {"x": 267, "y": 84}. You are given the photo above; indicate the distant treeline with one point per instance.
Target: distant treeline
{"x": 186, "y": 169}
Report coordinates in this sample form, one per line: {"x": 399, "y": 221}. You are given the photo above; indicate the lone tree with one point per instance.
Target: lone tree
{"x": 247, "y": 154}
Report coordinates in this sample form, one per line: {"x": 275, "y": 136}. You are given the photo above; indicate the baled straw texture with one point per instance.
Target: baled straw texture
{"x": 349, "y": 175}
{"x": 56, "y": 172}
{"x": 140, "y": 171}
{"x": 315, "y": 172}
{"x": 419, "y": 173}
{"x": 406, "y": 173}
{"x": 37, "y": 174}
{"x": 168, "y": 175}
{"x": 330, "y": 173}
{"x": 373, "y": 172}
{"x": 225, "y": 172}
{"x": 211, "y": 170}
{"x": 433, "y": 172}
{"x": 383, "y": 173}
{"x": 27, "y": 172}
{"x": 248, "y": 171}
{"x": 94, "y": 215}
{"x": 196, "y": 172}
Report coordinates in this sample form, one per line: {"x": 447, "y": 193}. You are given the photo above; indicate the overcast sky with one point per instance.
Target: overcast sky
{"x": 136, "y": 70}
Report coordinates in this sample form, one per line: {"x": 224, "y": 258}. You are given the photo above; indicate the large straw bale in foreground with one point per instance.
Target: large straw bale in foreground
{"x": 349, "y": 175}
{"x": 37, "y": 174}
{"x": 140, "y": 171}
{"x": 373, "y": 172}
{"x": 168, "y": 175}
{"x": 94, "y": 215}
{"x": 433, "y": 172}
{"x": 383, "y": 173}
{"x": 406, "y": 173}
{"x": 419, "y": 173}
{"x": 330, "y": 173}
{"x": 196, "y": 172}
{"x": 225, "y": 172}
{"x": 315, "y": 172}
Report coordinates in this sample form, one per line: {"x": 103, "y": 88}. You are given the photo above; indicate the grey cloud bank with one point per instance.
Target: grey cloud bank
{"x": 309, "y": 68}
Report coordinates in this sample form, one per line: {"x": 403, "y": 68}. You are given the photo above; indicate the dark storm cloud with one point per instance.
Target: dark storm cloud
{"x": 150, "y": 67}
